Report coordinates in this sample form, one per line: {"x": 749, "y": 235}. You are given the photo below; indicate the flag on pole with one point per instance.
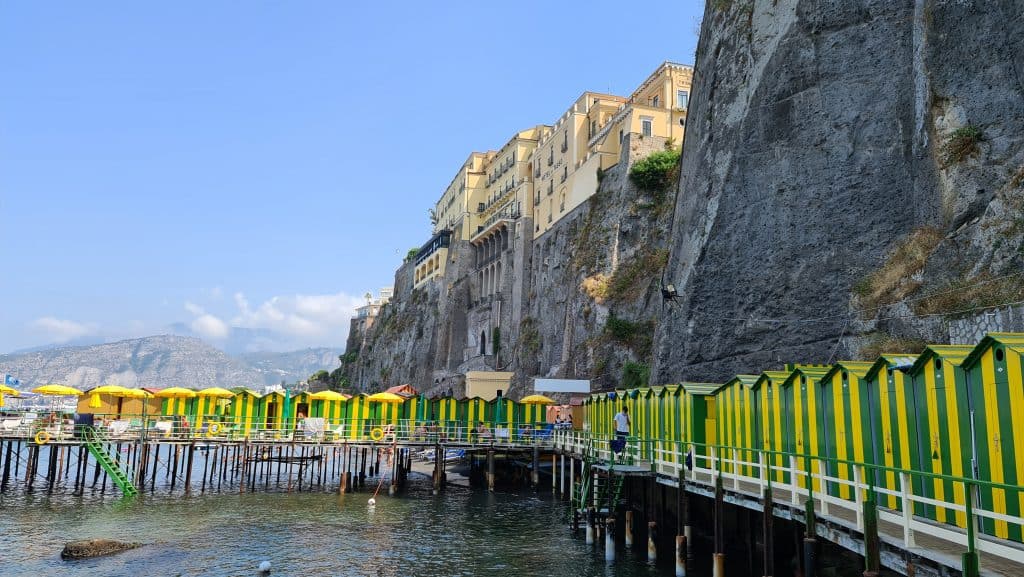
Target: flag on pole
{"x": 11, "y": 381}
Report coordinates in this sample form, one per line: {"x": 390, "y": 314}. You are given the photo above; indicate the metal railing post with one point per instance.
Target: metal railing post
{"x": 906, "y": 492}
{"x": 970, "y": 558}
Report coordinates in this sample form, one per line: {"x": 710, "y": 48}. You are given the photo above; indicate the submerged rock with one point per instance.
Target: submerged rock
{"x": 94, "y": 548}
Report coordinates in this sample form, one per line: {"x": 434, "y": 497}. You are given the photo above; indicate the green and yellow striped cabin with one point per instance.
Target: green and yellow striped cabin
{"x": 334, "y": 413}
{"x": 643, "y": 414}
{"x": 775, "y": 427}
{"x": 940, "y": 424}
{"x": 698, "y": 405}
{"x": 360, "y": 418}
{"x": 802, "y": 407}
{"x": 244, "y": 410}
{"x": 502, "y": 411}
{"x": 845, "y": 409}
{"x": 271, "y": 410}
{"x": 736, "y": 419}
{"x": 670, "y": 415}
{"x": 994, "y": 374}
{"x": 179, "y": 406}
{"x": 889, "y": 389}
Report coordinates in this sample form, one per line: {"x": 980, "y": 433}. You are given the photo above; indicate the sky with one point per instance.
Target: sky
{"x": 254, "y": 166}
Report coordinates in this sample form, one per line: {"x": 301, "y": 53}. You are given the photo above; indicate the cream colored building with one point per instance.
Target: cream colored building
{"x": 590, "y": 135}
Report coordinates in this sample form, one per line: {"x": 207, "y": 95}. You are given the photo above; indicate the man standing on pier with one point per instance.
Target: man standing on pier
{"x": 622, "y": 423}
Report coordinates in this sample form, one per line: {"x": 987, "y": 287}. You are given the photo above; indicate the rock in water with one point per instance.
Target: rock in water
{"x": 94, "y": 548}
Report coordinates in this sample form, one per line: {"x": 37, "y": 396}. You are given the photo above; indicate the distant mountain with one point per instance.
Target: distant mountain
{"x": 239, "y": 340}
{"x": 276, "y": 367}
{"x": 161, "y": 361}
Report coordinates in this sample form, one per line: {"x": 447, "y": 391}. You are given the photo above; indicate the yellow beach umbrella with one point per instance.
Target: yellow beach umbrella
{"x": 329, "y": 396}
{"x": 9, "y": 391}
{"x": 216, "y": 392}
{"x": 537, "y": 400}
{"x": 57, "y": 390}
{"x": 385, "y": 398}
{"x": 137, "y": 394}
{"x": 175, "y": 393}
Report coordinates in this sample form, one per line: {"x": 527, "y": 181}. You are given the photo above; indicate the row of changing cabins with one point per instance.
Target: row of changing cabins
{"x": 950, "y": 410}
{"x": 248, "y": 413}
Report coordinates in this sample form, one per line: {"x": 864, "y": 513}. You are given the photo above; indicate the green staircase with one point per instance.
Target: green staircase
{"x": 605, "y": 490}
{"x": 95, "y": 447}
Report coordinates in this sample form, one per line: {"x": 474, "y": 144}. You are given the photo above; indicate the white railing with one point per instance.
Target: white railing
{"x": 758, "y": 472}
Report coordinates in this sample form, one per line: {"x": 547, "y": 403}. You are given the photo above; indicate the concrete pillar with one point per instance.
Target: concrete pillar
{"x": 652, "y": 542}
{"x": 590, "y": 526}
{"x": 609, "y": 539}
{"x": 490, "y": 470}
{"x": 680, "y": 556}
{"x": 629, "y": 529}
{"x": 536, "y": 467}
{"x": 718, "y": 565}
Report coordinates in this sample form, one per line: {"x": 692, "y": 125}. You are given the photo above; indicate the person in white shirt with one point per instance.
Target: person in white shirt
{"x": 622, "y": 423}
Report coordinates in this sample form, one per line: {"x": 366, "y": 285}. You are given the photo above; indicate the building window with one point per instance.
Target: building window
{"x": 655, "y": 101}
{"x": 646, "y": 125}
{"x": 621, "y": 136}
{"x": 682, "y": 99}
{"x": 593, "y": 129}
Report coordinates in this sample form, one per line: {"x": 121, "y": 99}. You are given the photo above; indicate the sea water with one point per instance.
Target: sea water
{"x": 460, "y": 532}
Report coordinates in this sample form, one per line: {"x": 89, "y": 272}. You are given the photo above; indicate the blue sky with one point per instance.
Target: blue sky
{"x": 263, "y": 164}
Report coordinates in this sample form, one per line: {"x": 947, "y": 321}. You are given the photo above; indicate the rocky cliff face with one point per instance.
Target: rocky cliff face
{"x": 843, "y": 159}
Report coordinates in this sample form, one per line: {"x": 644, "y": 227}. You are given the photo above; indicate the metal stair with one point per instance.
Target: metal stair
{"x": 113, "y": 469}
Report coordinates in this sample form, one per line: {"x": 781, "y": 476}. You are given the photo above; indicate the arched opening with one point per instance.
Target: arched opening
{"x": 483, "y": 342}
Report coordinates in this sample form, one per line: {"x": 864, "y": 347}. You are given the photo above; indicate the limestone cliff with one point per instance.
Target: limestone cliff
{"x": 843, "y": 160}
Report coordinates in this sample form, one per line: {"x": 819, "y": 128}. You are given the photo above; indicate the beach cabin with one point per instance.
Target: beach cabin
{"x": 846, "y": 417}
{"x": 271, "y": 410}
{"x": 244, "y": 411}
{"x": 940, "y": 425}
{"x": 775, "y": 428}
{"x": 802, "y": 404}
{"x": 736, "y": 418}
{"x": 888, "y": 388}
{"x": 698, "y": 423}
{"x": 996, "y": 385}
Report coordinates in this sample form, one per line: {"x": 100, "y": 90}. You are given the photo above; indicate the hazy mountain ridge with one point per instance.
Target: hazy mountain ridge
{"x": 161, "y": 361}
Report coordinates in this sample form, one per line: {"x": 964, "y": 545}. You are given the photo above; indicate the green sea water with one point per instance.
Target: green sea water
{"x": 460, "y": 532}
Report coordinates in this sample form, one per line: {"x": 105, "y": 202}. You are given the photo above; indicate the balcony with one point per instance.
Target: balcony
{"x": 507, "y": 214}
{"x": 565, "y": 147}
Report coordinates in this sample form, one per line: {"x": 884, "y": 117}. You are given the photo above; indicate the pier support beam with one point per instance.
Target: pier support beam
{"x": 768, "y": 530}
{"x": 680, "y": 556}
{"x": 591, "y": 516}
{"x": 535, "y": 476}
{"x": 490, "y": 470}
{"x": 609, "y": 539}
{"x": 652, "y": 542}
{"x": 629, "y": 529}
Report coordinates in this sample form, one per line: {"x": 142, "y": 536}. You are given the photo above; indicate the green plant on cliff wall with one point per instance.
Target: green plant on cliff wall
{"x": 637, "y": 335}
{"x": 529, "y": 336}
{"x": 961, "y": 143}
{"x": 632, "y": 278}
{"x": 635, "y": 375}
{"x": 653, "y": 172}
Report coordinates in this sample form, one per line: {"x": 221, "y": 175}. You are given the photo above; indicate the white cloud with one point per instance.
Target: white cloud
{"x": 194, "y": 308}
{"x": 210, "y": 327}
{"x": 61, "y": 330}
{"x": 305, "y": 317}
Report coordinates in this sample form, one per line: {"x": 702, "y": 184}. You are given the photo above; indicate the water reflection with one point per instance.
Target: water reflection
{"x": 457, "y": 533}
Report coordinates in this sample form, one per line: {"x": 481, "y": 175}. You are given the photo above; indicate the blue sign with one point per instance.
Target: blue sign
{"x": 11, "y": 381}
